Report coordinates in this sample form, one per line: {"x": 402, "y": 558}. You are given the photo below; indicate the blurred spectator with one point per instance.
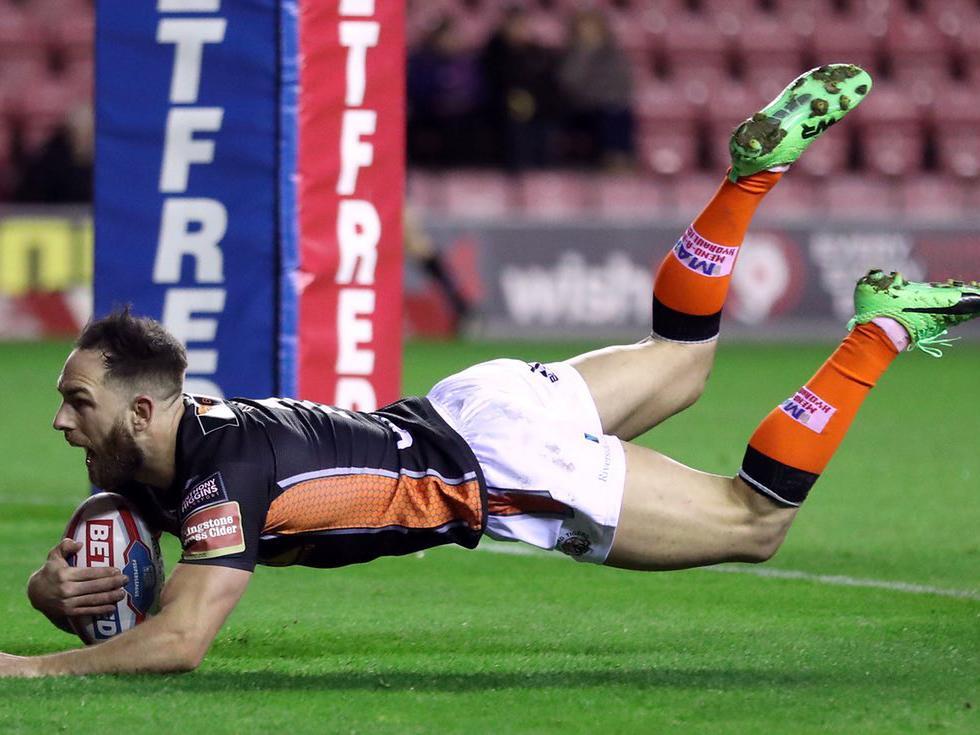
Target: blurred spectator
{"x": 60, "y": 170}
{"x": 445, "y": 97}
{"x": 597, "y": 84}
{"x": 420, "y": 249}
{"x": 522, "y": 94}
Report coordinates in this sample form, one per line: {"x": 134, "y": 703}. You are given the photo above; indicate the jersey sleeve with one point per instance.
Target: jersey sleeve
{"x": 222, "y": 511}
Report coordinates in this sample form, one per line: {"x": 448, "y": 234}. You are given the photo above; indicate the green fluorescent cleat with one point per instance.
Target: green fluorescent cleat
{"x": 779, "y": 133}
{"x": 926, "y": 310}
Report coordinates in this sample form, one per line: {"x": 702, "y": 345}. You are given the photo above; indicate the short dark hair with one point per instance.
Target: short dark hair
{"x": 136, "y": 349}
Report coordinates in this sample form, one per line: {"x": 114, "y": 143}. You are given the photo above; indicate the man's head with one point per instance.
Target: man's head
{"x": 123, "y": 377}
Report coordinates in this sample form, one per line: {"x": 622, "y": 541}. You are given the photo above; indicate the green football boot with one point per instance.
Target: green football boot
{"x": 779, "y": 133}
{"x": 926, "y": 310}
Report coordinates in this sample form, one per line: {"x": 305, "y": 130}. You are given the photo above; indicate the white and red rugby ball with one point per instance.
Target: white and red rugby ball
{"x": 113, "y": 534}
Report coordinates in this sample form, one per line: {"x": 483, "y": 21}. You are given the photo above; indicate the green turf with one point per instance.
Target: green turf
{"x": 477, "y": 642}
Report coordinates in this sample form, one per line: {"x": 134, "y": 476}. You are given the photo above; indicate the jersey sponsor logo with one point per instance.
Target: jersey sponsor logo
{"x": 703, "y": 256}
{"x": 213, "y": 531}
{"x": 206, "y": 492}
{"x": 809, "y": 409}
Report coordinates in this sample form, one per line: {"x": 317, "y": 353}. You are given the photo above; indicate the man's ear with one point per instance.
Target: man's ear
{"x": 142, "y": 409}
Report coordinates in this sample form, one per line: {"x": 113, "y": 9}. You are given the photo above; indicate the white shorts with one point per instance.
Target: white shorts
{"x": 553, "y": 479}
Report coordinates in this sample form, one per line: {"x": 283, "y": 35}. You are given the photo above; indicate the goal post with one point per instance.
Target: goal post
{"x": 249, "y": 189}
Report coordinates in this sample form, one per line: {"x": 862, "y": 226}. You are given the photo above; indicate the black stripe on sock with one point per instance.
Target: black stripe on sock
{"x": 776, "y": 480}
{"x": 681, "y": 327}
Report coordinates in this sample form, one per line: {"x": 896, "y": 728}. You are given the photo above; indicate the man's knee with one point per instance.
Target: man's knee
{"x": 759, "y": 551}
{"x": 763, "y": 537}
{"x": 693, "y": 371}
{"x": 695, "y": 383}
{"x": 764, "y": 525}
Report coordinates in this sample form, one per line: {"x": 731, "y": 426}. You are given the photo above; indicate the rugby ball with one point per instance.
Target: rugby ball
{"x": 113, "y": 534}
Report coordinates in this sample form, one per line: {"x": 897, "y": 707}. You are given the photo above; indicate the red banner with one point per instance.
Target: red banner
{"x": 350, "y": 191}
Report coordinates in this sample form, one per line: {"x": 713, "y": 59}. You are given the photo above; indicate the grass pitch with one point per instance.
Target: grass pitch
{"x": 478, "y": 642}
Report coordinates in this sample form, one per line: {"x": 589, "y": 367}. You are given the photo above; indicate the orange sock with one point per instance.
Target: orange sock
{"x": 794, "y": 443}
{"x": 692, "y": 281}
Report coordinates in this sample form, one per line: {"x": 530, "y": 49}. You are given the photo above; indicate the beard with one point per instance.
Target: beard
{"x": 118, "y": 460}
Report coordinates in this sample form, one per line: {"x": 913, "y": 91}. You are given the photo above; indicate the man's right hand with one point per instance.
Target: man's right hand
{"x": 61, "y": 591}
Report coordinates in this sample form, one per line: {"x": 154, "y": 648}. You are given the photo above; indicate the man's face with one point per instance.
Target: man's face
{"x": 95, "y": 416}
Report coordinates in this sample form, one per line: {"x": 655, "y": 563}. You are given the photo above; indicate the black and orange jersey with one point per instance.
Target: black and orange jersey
{"x": 281, "y": 481}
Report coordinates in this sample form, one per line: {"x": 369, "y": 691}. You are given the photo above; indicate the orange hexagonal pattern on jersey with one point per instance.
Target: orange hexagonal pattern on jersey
{"x": 373, "y": 501}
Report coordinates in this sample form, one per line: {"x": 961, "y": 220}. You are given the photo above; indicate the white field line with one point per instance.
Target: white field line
{"x": 839, "y": 580}
{"x": 835, "y": 580}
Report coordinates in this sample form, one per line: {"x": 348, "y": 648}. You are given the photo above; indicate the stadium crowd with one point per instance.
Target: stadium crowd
{"x": 671, "y": 83}
{"x": 518, "y": 103}
{"x": 46, "y": 83}
{"x": 648, "y": 87}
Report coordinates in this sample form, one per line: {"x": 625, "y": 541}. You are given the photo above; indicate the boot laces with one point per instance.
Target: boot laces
{"x": 931, "y": 345}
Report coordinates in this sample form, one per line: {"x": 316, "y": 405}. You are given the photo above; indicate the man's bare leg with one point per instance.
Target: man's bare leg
{"x": 675, "y": 517}
{"x": 637, "y": 386}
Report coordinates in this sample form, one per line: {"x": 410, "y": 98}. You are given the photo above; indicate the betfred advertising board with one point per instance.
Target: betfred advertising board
{"x": 248, "y": 195}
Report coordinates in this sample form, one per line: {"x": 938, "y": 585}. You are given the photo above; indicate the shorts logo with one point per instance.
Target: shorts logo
{"x": 606, "y": 462}
{"x": 209, "y": 490}
{"x": 537, "y": 367}
{"x": 213, "y": 531}
{"x": 809, "y": 409}
{"x": 574, "y": 543}
{"x": 703, "y": 256}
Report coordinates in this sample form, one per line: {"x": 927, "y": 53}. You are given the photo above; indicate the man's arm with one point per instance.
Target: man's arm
{"x": 196, "y": 600}
{"x": 61, "y": 591}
